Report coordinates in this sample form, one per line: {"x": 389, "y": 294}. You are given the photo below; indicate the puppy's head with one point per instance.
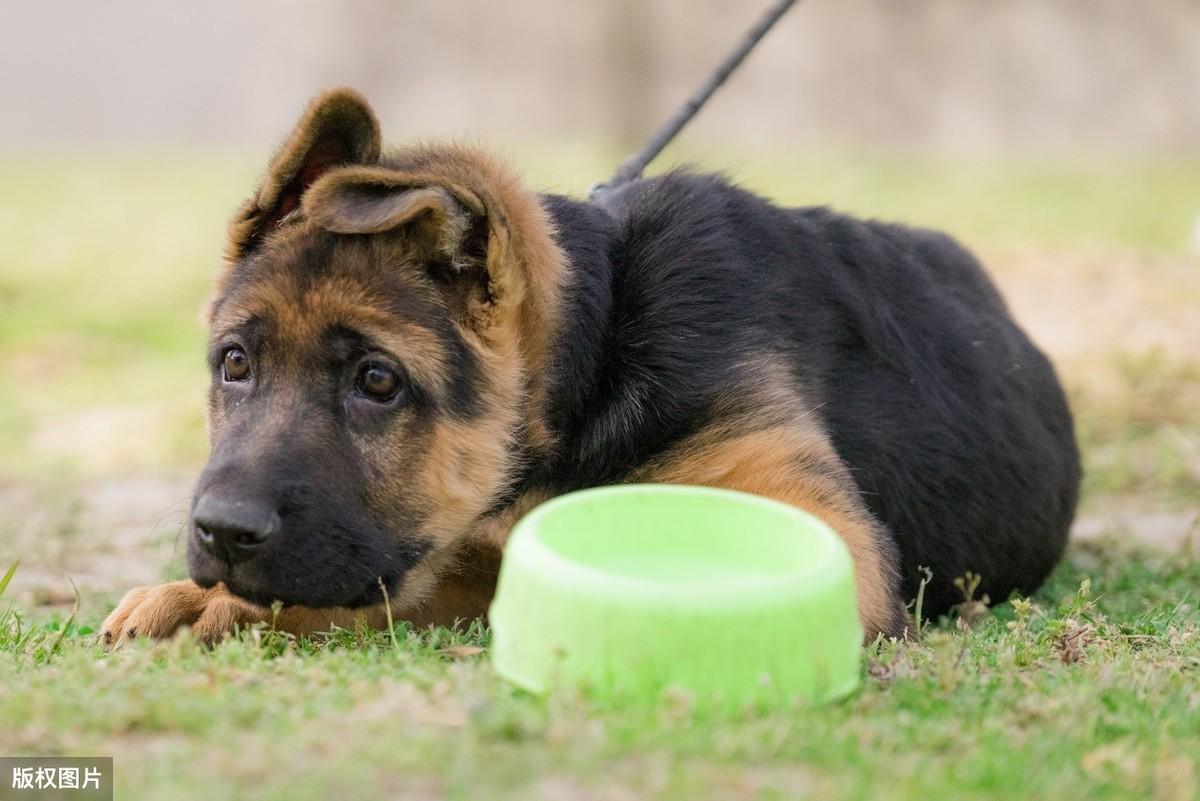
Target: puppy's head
{"x": 376, "y": 345}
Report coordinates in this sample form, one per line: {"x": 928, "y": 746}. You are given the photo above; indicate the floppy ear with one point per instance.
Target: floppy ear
{"x": 446, "y": 224}
{"x": 338, "y": 128}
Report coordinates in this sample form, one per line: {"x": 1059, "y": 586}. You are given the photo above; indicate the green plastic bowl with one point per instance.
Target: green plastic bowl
{"x": 629, "y": 590}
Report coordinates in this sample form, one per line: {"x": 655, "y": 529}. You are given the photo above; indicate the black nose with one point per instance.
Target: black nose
{"x": 233, "y": 529}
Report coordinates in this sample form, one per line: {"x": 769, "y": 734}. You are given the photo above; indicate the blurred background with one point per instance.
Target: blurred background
{"x": 1059, "y": 139}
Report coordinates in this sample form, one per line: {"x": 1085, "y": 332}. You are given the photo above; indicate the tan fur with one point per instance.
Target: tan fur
{"x": 159, "y": 611}
{"x": 212, "y": 614}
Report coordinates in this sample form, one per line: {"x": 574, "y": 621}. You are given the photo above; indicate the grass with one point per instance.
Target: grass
{"x": 1089, "y": 690}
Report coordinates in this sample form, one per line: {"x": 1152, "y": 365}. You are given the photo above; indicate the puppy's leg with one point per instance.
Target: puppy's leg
{"x": 158, "y": 612}
{"x": 798, "y": 465}
{"x": 460, "y": 590}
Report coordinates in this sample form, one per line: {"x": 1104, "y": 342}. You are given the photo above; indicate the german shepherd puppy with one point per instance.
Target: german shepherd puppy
{"x": 409, "y": 350}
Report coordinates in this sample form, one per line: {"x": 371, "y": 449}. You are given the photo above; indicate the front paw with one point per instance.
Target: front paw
{"x": 159, "y": 612}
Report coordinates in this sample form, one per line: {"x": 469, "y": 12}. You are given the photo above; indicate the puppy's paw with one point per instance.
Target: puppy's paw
{"x": 159, "y": 612}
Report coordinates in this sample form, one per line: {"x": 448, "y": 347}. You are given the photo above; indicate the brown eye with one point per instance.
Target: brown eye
{"x": 377, "y": 382}
{"x": 236, "y": 365}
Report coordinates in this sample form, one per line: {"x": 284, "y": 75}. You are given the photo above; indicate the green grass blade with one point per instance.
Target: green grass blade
{"x": 70, "y": 620}
{"x": 12, "y": 570}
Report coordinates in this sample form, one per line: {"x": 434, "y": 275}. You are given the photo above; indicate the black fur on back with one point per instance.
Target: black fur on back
{"x": 951, "y": 421}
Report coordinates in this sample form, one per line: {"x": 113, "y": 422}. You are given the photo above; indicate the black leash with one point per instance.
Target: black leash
{"x": 631, "y": 168}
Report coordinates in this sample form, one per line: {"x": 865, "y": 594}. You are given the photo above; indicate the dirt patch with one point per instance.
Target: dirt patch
{"x": 105, "y": 535}
{"x": 1113, "y": 519}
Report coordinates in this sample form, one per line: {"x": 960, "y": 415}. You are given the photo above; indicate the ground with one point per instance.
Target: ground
{"x": 1090, "y": 689}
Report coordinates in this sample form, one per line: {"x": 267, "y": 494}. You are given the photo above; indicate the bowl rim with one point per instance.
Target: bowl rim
{"x": 581, "y": 575}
